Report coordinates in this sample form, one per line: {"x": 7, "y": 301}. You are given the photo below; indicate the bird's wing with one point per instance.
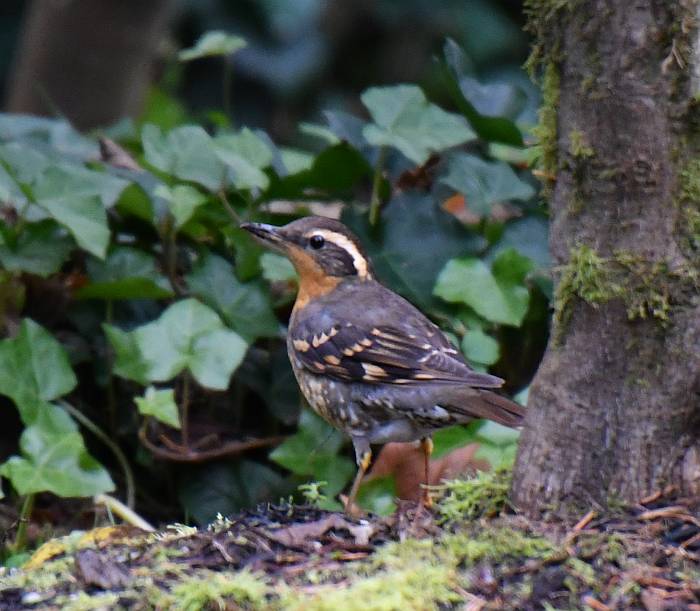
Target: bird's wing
{"x": 416, "y": 352}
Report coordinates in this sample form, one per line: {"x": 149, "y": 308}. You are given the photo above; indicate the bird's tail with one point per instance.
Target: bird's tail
{"x": 486, "y": 404}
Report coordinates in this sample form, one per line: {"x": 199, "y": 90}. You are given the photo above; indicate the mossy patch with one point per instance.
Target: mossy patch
{"x": 578, "y": 145}
{"x": 647, "y": 288}
{"x": 486, "y": 494}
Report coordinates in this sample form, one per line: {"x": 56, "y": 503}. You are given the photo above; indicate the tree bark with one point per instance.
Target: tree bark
{"x": 87, "y": 60}
{"x": 614, "y": 411}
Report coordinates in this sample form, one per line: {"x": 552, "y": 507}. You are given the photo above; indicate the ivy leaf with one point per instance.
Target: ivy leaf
{"x": 484, "y": 183}
{"x": 160, "y": 404}
{"x": 126, "y": 273}
{"x": 183, "y": 201}
{"x": 85, "y": 218}
{"x": 408, "y": 219}
{"x": 211, "y": 44}
{"x": 498, "y": 294}
{"x": 313, "y": 451}
{"x": 188, "y": 335}
{"x": 129, "y": 363}
{"x": 244, "y": 305}
{"x": 40, "y": 249}
{"x": 404, "y": 119}
{"x": 245, "y": 154}
{"x": 228, "y": 487}
{"x": 34, "y": 369}
{"x": 489, "y": 108}
{"x": 186, "y": 152}
{"x": 276, "y": 268}
{"x": 54, "y": 459}
{"x": 71, "y": 181}
{"x": 479, "y": 347}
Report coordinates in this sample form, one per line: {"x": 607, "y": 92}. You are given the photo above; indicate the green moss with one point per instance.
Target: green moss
{"x": 541, "y": 19}
{"x": 486, "y": 494}
{"x": 496, "y": 544}
{"x": 647, "y": 288}
{"x": 690, "y": 181}
{"x": 217, "y": 591}
{"x": 413, "y": 574}
{"x": 578, "y": 145}
{"x": 82, "y": 601}
{"x": 689, "y": 199}
{"x": 546, "y": 130}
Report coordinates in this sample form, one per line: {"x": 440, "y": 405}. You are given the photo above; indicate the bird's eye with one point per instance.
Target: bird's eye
{"x": 316, "y": 241}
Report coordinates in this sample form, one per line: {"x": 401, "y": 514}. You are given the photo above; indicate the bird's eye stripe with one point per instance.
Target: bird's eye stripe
{"x": 342, "y": 241}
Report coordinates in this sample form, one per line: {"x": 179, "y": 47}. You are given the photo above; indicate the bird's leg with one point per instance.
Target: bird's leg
{"x": 427, "y": 445}
{"x": 363, "y": 456}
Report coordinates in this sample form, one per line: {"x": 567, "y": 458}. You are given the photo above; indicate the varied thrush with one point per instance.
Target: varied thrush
{"x": 367, "y": 360}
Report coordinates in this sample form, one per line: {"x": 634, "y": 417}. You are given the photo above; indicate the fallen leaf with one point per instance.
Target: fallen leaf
{"x": 405, "y": 462}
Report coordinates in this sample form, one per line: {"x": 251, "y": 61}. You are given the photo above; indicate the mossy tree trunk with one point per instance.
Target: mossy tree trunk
{"x": 615, "y": 407}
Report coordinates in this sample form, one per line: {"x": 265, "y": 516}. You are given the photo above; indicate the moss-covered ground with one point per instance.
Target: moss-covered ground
{"x": 470, "y": 552}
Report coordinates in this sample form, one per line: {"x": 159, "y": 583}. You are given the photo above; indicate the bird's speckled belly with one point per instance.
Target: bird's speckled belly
{"x": 328, "y": 398}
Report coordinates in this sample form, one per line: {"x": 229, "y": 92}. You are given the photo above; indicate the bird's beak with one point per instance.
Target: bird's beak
{"x": 268, "y": 235}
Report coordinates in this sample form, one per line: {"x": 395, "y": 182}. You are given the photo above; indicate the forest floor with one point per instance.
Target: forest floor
{"x": 645, "y": 556}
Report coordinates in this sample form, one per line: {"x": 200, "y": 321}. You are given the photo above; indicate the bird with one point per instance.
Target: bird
{"x": 367, "y": 360}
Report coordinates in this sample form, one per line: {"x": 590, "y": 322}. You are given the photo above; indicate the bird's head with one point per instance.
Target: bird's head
{"x": 321, "y": 249}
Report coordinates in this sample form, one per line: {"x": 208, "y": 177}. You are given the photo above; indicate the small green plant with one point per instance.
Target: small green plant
{"x": 484, "y": 495}
{"x": 312, "y": 494}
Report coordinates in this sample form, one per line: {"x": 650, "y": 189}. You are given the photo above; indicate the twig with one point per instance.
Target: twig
{"x": 190, "y": 455}
{"x": 24, "y": 516}
{"x": 125, "y": 513}
{"x": 585, "y": 520}
{"x": 116, "y": 450}
{"x": 185, "y": 409}
{"x": 229, "y": 208}
{"x": 594, "y": 603}
{"x": 375, "y": 200}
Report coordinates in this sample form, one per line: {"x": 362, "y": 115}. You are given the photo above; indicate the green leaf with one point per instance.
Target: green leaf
{"x": 229, "y": 487}
{"x": 404, "y": 119}
{"x": 71, "y": 181}
{"x": 129, "y": 363}
{"x": 211, "y": 44}
{"x": 246, "y": 154}
{"x": 408, "y": 220}
{"x": 126, "y": 273}
{"x": 497, "y": 294}
{"x": 34, "y": 369}
{"x": 160, "y": 404}
{"x": 480, "y": 348}
{"x": 54, "y": 459}
{"x": 188, "y": 335}
{"x": 186, "y": 152}
{"x": 313, "y": 451}
{"x": 276, "y": 268}
{"x": 489, "y": 108}
{"x": 183, "y": 201}
{"x": 85, "y": 218}
{"x": 245, "y": 306}
{"x": 40, "y": 249}
{"x": 484, "y": 183}
{"x": 335, "y": 171}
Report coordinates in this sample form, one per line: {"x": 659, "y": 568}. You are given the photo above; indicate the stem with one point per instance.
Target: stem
{"x": 116, "y": 450}
{"x": 25, "y": 514}
{"x": 228, "y": 81}
{"x": 229, "y": 208}
{"x": 185, "y": 409}
{"x": 111, "y": 396}
{"x": 171, "y": 248}
{"x": 375, "y": 200}
{"x": 125, "y": 513}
